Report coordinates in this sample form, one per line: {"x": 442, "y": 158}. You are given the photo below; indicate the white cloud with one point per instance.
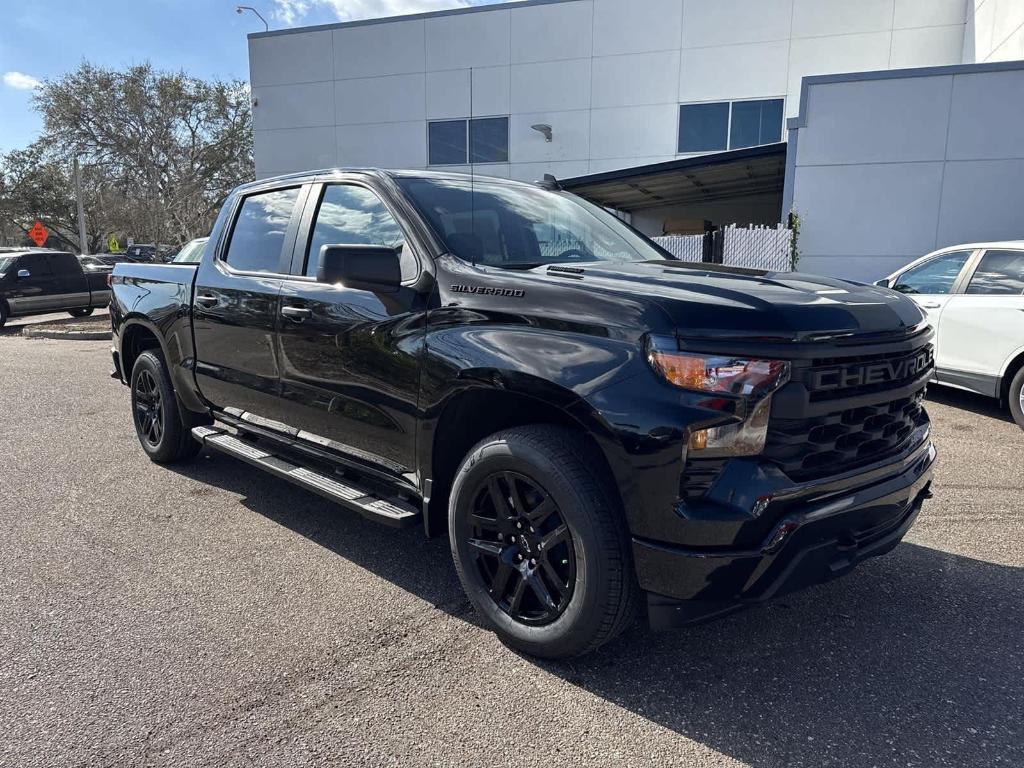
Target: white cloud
{"x": 292, "y": 11}
{"x": 21, "y": 81}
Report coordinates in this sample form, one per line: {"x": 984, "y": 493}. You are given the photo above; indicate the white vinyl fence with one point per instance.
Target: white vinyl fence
{"x": 757, "y": 247}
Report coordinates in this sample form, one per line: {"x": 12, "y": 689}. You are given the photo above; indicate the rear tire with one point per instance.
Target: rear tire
{"x": 540, "y": 542}
{"x": 81, "y": 312}
{"x": 163, "y": 427}
{"x": 3, "y": 314}
{"x": 1016, "y": 397}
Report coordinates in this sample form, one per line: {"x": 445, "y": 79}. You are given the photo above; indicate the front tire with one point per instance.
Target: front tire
{"x": 1016, "y": 397}
{"x": 540, "y": 542}
{"x": 81, "y": 312}
{"x": 161, "y": 424}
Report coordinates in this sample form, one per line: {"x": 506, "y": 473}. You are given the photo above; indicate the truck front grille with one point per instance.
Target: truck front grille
{"x": 842, "y": 440}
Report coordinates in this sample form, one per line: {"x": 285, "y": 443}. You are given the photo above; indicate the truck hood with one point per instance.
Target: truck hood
{"x": 711, "y": 300}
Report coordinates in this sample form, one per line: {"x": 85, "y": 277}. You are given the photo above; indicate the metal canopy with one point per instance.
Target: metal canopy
{"x": 723, "y": 175}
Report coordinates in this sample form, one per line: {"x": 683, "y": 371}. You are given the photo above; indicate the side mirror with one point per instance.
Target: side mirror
{"x": 369, "y": 267}
{"x": 883, "y": 283}
{"x": 23, "y": 273}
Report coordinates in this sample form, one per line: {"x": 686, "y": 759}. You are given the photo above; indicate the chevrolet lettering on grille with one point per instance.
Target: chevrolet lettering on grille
{"x": 865, "y": 374}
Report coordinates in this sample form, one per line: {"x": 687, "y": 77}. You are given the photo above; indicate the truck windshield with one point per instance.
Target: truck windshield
{"x": 517, "y": 226}
{"x": 191, "y": 253}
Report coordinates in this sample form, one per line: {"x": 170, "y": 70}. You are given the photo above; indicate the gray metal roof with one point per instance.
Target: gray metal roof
{"x": 753, "y": 171}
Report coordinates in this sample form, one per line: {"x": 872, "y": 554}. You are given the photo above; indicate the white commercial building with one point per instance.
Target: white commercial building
{"x": 583, "y": 87}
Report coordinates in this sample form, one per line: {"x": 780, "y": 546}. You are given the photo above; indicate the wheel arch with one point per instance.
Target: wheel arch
{"x": 137, "y": 334}
{"x": 1013, "y": 364}
{"x": 474, "y": 412}
{"x": 135, "y": 337}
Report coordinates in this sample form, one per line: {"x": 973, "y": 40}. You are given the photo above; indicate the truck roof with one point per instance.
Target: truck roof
{"x": 381, "y": 172}
{"x": 25, "y": 251}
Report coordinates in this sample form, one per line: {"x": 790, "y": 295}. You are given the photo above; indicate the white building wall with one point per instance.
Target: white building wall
{"x": 607, "y": 75}
{"x": 888, "y": 168}
{"x": 994, "y": 31}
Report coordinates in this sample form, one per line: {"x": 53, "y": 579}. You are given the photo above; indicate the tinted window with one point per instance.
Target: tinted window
{"x": 1000, "y": 272}
{"x": 447, "y": 142}
{"x": 933, "y": 277}
{"x": 351, "y": 216}
{"x": 755, "y": 123}
{"x": 703, "y": 127}
{"x": 258, "y": 237}
{"x": 488, "y": 140}
{"x": 63, "y": 263}
{"x": 35, "y": 263}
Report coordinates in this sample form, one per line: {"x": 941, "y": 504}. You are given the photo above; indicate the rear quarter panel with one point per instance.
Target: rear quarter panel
{"x": 159, "y": 297}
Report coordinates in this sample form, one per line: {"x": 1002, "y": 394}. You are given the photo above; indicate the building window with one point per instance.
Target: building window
{"x": 456, "y": 142}
{"x": 729, "y": 125}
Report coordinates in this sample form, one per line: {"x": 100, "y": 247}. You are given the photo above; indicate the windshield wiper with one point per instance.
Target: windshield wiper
{"x": 522, "y": 265}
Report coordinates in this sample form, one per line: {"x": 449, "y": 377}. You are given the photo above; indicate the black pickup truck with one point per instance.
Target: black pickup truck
{"x": 34, "y": 282}
{"x": 593, "y": 423}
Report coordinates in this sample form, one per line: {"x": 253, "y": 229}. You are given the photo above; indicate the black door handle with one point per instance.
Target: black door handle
{"x": 296, "y": 314}
{"x": 206, "y": 299}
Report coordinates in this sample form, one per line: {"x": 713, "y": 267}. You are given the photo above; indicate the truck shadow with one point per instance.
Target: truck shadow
{"x": 968, "y": 401}
{"x": 914, "y": 659}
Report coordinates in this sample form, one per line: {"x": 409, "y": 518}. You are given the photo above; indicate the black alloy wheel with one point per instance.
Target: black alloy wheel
{"x": 540, "y": 541}
{"x": 161, "y": 423}
{"x": 149, "y": 410}
{"x": 522, "y": 549}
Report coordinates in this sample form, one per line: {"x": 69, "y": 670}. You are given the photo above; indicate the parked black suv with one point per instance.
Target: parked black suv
{"x": 591, "y": 421}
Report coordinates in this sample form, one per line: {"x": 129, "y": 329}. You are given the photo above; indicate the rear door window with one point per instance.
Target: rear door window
{"x": 935, "y": 277}
{"x": 64, "y": 263}
{"x": 999, "y": 273}
{"x": 257, "y": 240}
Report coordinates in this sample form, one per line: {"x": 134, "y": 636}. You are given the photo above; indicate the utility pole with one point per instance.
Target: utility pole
{"x": 83, "y": 241}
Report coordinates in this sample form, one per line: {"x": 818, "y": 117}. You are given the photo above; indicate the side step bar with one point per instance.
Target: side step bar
{"x": 397, "y": 513}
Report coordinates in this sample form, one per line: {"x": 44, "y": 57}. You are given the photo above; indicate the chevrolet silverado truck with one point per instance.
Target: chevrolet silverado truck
{"x": 596, "y": 426}
{"x": 38, "y": 281}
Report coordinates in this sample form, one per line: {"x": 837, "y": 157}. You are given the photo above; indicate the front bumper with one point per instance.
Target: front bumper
{"x": 815, "y": 541}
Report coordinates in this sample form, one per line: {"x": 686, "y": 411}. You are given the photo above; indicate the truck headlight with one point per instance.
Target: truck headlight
{"x": 752, "y": 379}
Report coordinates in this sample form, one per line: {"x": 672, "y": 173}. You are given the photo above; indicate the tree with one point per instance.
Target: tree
{"x": 159, "y": 151}
{"x": 35, "y": 185}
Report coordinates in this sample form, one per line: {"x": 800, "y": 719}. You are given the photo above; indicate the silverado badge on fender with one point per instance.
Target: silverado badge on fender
{"x": 516, "y": 293}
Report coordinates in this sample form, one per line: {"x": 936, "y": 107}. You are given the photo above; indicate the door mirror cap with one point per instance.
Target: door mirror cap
{"x": 23, "y": 273}
{"x": 369, "y": 267}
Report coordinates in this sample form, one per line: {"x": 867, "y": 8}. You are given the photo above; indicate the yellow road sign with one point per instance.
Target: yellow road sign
{"x": 112, "y": 245}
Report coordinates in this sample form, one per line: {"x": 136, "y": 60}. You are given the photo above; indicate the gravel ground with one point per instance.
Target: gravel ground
{"x": 208, "y": 615}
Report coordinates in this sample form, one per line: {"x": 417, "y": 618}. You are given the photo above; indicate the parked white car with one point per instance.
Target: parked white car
{"x": 974, "y": 297}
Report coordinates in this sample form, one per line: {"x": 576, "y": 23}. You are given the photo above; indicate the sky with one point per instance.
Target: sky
{"x": 43, "y": 39}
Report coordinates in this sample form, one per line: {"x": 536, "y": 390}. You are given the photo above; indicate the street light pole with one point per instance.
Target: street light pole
{"x": 83, "y": 241}
{"x": 240, "y": 8}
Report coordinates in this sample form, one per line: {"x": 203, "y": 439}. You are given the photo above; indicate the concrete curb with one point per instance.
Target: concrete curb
{"x": 34, "y": 332}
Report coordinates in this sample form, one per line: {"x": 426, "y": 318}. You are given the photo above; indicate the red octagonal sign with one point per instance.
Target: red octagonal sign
{"x": 38, "y": 233}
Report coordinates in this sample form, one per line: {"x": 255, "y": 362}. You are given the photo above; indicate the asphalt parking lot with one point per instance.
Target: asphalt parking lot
{"x": 207, "y": 615}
